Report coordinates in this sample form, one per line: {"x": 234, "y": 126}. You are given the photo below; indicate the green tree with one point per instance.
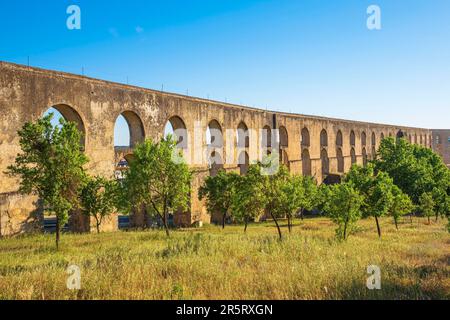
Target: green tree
{"x": 249, "y": 200}
{"x": 310, "y": 195}
{"x": 401, "y": 205}
{"x": 380, "y": 198}
{"x": 426, "y": 205}
{"x": 323, "y": 195}
{"x": 218, "y": 192}
{"x": 51, "y": 166}
{"x": 273, "y": 186}
{"x": 343, "y": 207}
{"x": 98, "y": 199}
{"x": 414, "y": 169}
{"x": 442, "y": 203}
{"x": 158, "y": 180}
{"x": 290, "y": 199}
{"x": 376, "y": 189}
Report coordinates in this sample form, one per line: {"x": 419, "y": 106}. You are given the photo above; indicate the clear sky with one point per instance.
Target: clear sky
{"x": 305, "y": 56}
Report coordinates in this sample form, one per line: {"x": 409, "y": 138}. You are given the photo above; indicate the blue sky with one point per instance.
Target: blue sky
{"x": 311, "y": 56}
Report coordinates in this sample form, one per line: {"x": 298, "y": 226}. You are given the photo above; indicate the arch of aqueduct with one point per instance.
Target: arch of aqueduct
{"x": 309, "y": 145}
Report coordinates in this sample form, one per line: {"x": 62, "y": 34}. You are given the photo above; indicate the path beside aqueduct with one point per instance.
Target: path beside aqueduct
{"x": 309, "y": 145}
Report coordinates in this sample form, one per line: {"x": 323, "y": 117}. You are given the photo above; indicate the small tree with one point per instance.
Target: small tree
{"x": 249, "y": 200}
{"x": 98, "y": 199}
{"x": 297, "y": 194}
{"x": 219, "y": 191}
{"x": 51, "y": 166}
{"x": 442, "y": 203}
{"x": 426, "y": 205}
{"x": 290, "y": 199}
{"x": 401, "y": 205}
{"x": 376, "y": 189}
{"x": 310, "y": 195}
{"x": 379, "y": 198}
{"x": 344, "y": 208}
{"x": 158, "y": 179}
{"x": 321, "y": 200}
{"x": 273, "y": 186}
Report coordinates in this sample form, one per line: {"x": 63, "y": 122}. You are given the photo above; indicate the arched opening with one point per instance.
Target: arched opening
{"x": 69, "y": 114}
{"x": 215, "y": 163}
{"x": 243, "y": 163}
{"x": 243, "y": 137}
{"x": 284, "y": 139}
{"x": 305, "y": 138}
{"x": 266, "y": 137}
{"x": 421, "y": 139}
{"x": 323, "y": 138}
{"x": 306, "y": 163}
{"x": 353, "y": 156}
{"x": 374, "y": 139}
{"x": 128, "y": 130}
{"x": 339, "y": 140}
{"x": 415, "y": 138}
{"x": 400, "y": 134}
{"x": 352, "y": 138}
{"x": 325, "y": 162}
{"x": 363, "y": 139}
{"x": 340, "y": 160}
{"x": 284, "y": 143}
{"x": 364, "y": 154}
{"x": 176, "y": 127}
{"x": 214, "y": 135}
{"x": 382, "y": 136}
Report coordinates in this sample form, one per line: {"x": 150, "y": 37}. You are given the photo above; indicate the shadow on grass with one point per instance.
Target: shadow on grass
{"x": 394, "y": 290}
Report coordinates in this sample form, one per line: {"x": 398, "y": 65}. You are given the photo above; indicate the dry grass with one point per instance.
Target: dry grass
{"x": 210, "y": 263}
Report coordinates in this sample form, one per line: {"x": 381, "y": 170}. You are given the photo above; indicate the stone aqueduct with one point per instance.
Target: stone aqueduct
{"x": 310, "y": 145}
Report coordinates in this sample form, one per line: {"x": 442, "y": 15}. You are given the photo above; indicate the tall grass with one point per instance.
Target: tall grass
{"x": 211, "y": 263}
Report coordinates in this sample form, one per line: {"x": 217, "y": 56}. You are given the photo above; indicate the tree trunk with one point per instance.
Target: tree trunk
{"x": 289, "y": 225}
{"x": 278, "y": 226}
{"x": 345, "y": 229}
{"x": 223, "y": 221}
{"x": 146, "y": 216}
{"x": 58, "y": 228}
{"x": 396, "y": 223}
{"x": 437, "y": 217}
{"x": 378, "y": 227}
{"x": 246, "y": 225}
{"x": 301, "y": 214}
{"x": 429, "y": 222}
{"x": 410, "y": 218}
{"x": 166, "y": 227}
{"x": 97, "y": 224}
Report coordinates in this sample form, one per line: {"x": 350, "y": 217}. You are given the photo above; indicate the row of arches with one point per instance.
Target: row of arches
{"x": 129, "y": 130}
{"x": 306, "y": 141}
{"x": 324, "y": 143}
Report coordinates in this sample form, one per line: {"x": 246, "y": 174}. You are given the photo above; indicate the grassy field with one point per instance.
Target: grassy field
{"x": 209, "y": 263}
